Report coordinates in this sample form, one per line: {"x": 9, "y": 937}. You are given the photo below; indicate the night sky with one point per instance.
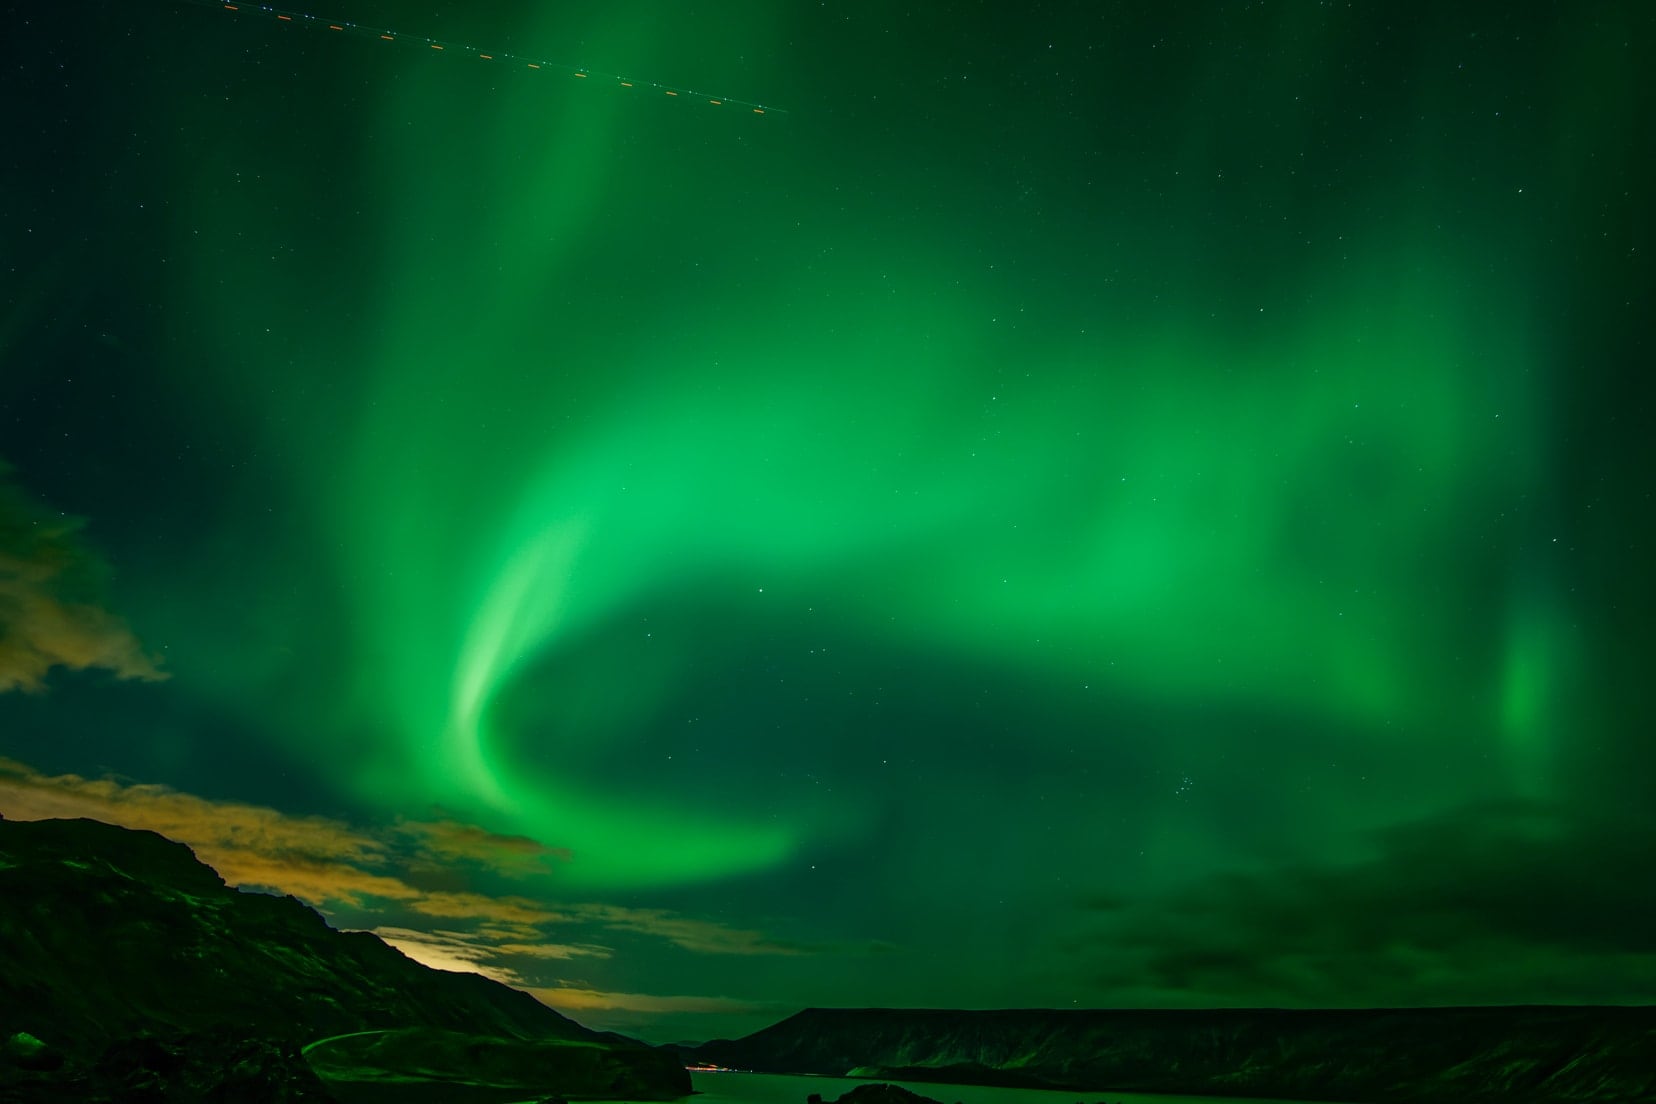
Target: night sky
{"x": 1099, "y": 504}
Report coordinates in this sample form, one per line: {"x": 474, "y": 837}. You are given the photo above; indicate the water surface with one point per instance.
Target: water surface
{"x": 775, "y": 1088}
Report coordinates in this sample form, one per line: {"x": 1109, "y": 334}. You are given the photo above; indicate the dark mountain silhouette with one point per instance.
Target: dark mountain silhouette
{"x": 876, "y": 1093}
{"x": 109, "y": 934}
{"x": 1537, "y": 1055}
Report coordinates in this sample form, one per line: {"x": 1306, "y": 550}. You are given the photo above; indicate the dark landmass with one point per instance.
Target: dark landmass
{"x": 129, "y": 971}
{"x": 1534, "y": 1055}
{"x": 354, "y": 1066}
{"x": 877, "y": 1094}
{"x": 206, "y": 1066}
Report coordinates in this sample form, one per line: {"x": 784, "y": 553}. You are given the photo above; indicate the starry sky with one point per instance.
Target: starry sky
{"x": 1093, "y": 505}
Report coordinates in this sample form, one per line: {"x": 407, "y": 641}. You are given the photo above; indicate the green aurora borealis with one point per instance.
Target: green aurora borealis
{"x": 1096, "y": 505}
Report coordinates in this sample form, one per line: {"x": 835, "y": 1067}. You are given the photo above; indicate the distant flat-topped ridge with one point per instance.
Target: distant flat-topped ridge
{"x": 1534, "y": 1053}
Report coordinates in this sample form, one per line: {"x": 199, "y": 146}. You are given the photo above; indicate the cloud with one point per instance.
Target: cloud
{"x": 454, "y": 951}
{"x": 51, "y": 595}
{"x": 380, "y": 879}
{"x": 554, "y": 950}
{"x": 478, "y": 952}
{"x": 572, "y": 998}
{"x": 317, "y": 859}
{"x": 700, "y": 936}
{"x": 516, "y": 855}
{"x": 314, "y": 858}
{"x": 529, "y": 942}
{"x": 480, "y": 906}
{"x": 1489, "y": 904}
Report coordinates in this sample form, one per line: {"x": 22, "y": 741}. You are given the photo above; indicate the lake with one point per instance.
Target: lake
{"x": 776, "y": 1088}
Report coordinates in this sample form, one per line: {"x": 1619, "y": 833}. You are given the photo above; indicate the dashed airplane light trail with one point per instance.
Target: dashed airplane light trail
{"x": 343, "y": 26}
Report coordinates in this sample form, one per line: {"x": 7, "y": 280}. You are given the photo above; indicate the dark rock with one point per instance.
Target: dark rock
{"x": 884, "y": 1094}
{"x": 154, "y": 978}
{"x": 434, "y": 1057}
{"x": 107, "y": 933}
{"x": 26, "y": 1052}
{"x": 209, "y": 1067}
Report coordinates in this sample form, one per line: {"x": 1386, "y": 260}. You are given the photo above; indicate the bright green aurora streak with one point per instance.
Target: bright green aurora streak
{"x": 569, "y": 425}
{"x": 1142, "y": 510}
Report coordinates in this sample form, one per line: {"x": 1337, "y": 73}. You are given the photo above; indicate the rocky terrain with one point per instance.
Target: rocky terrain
{"x": 876, "y": 1094}
{"x": 355, "y": 1066}
{"x": 1536, "y": 1055}
{"x": 130, "y": 971}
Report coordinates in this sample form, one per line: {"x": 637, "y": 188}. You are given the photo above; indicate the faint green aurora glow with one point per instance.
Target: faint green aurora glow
{"x": 1154, "y": 513}
{"x": 1153, "y": 508}
{"x": 561, "y": 421}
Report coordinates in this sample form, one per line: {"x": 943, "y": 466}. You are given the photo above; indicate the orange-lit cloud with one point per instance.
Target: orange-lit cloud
{"x": 51, "y": 612}
{"x": 450, "y": 839}
{"x": 701, "y": 936}
{"x": 336, "y": 866}
{"x": 480, "y": 906}
{"x": 528, "y": 941}
{"x": 554, "y": 950}
{"x": 314, "y": 858}
{"x": 443, "y": 950}
{"x": 476, "y": 952}
{"x": 568, "y": 998}
{"x": 374, "y": 877}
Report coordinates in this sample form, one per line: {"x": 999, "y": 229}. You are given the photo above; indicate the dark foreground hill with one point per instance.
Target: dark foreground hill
{"x": 121, "y": 953}
{"x": 1540, "y": 1055}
